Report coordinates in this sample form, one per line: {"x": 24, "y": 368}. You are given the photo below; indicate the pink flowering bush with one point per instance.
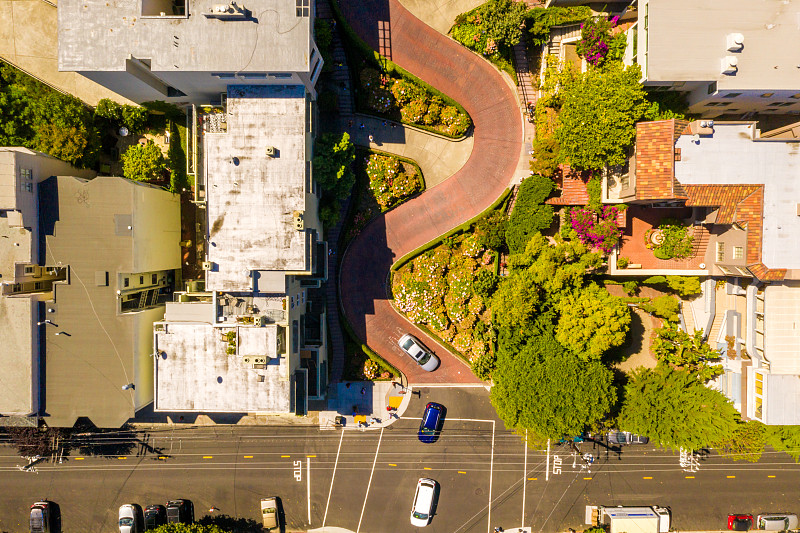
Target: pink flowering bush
{"x": 379, "y": 96}
{"x": 391, "y": 181}
{"x": 595, "y": 39}
{"x": 598, "y": 231}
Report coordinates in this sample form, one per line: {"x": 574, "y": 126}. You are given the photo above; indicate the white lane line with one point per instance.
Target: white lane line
{"x": 330, "y": 490}
{"x": 358, "y": 529}
{"x": 524, "y": 481}
{"x": 491, "y": 474}
{"x": 308, "y": 488}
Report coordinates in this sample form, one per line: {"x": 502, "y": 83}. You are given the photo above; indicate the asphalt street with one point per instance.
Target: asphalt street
{"x": 364, "y": 480}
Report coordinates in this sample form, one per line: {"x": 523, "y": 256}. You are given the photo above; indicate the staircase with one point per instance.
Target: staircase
{"x": 700, "y": 242}
{"x": 558, "y": 34}
{"x": 340, "y": 74}
{"x": 525, "y": 89}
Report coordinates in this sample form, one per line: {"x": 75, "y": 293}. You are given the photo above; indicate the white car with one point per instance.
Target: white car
{"x": 424, "y": 499}
{"x": 777, "y": 521}
{"x": 130, "y": 518}
{"x": 417, "y": 351}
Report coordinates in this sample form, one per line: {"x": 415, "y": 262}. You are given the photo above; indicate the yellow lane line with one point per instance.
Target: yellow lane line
{"x": 689, "y": 477}
{"x": 248, "y": 456}
{"x": 284, "y": 456}
{"x": 208, "y": 457}
{"x": 81, "y": 459}
{"x": 392, "y": 464}
{"x": 121, "y": 458}
{"x": 770, "y": 476}
{"x": 647, "y": 477}
{"x": 162, "y": 457}
{"x": 310, "y": 455}
{"x": 587, "y": 478}
{"x": 730, "y": 477}
{"x": 533, "y": 478}
{"x": 425, "y": 468}
{"x": 461, "y": 472}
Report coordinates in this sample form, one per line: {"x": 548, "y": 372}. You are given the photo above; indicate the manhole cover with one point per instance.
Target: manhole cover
{"x": 478, "y": 492}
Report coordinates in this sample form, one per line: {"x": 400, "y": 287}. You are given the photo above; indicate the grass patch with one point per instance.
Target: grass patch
{"x": 176, "y": 155}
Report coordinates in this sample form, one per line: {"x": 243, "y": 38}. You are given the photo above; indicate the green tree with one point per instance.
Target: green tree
{"x": 109, "y": 110}
{"x": 143, "y": 162}
{"x": 333, "y": 164}
{"x": 485, "y": 283}
{"x": 684, "y": 285}
{"x": 134, "y": 118}
{"x": 746, "y": 443}
{"x": 530, "y": 214}
{"x": 597, "y": 122}
{"x": 190, "y": 528}
{"x": 591, "y": 321}
{"x": 491, "y": 230}
{"x": 675, "y": 409}
{"x": 545, "y": 157}
{"x": 67, "y": 144}
{"x": 664, "y": 306}
{"x": 549, "y": 392}
{"x": 786, "y": 439}
{"x": 674, "y": 346}
{"x": 540, "y": 19}
{"x": 503, "y": 21}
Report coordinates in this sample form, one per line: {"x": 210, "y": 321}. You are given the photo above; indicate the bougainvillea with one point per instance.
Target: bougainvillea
{"x": 595, "y": 38}
{"x": 599, "y": 231}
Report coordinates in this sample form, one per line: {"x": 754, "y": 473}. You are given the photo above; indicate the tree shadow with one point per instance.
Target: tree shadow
{"x": 230, "y": 523}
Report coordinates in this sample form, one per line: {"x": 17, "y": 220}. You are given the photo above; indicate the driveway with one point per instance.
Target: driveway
{"x": 490, "y": 168}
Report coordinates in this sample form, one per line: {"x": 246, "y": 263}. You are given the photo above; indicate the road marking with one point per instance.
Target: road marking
{"x": 248, "y": 456}
{"x": 524, "y": 475}
{"x": 425, "y": 468}
{"x": 81, "y": 459}
{"x": 645, "y": 477}
{"x": 369, "y": 484}
{"x": 730, "y": 477}
{"x": 208, "y": 457}
{"x": 312, "y": 456}
{"x": 587, "y": 479}
{"x": 308, "y": 487}
{"x": 533, "y": 479}
{"x": 461, "y": 472}
{"x": 770, "y": 476}
{"x": 121, "y": 458}
{"x": 330, "y": 490}
{"x": 392, "y": 464}
{"x": 285, "y": 456}
{"x": 491, "y": 476}
{"x": 689, "y": 477}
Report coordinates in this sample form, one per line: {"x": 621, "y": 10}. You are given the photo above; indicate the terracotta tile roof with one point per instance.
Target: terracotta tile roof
{"x": 743, "y": 205}
{"x": 573, "y": 187}
{"x": 655, "y": 160}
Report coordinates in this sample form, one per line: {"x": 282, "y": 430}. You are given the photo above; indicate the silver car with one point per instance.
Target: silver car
{"x": 776, "y": 521}
{"x": 418, "y": 352}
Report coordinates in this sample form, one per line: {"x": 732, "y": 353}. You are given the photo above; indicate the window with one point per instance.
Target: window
{"x": 280, "y": 75}
{"x": 126, "y": 282}
{"x": 30, "y": 270}
{"x": 625, "y": 182}
{"x": 37, "y": 286}
{"x": 303, "y": 294}
{"x": 743, "y": 272}
{"x": 25, "y": 180}
{"x": 718, "y": 104}
{"x": 731, "y": 95}
{"x": 224, "y": 75}
{"x": 302, "y": 8}
{"x": 295, "y": 336}
{"x": 759, "y": 397}
{"x": 720, "y": 251}
{"x": 253, "y": 75}
{"x": 154, "y": 279}
{"x": 712, "y": 88}
{"x": 726, "y": 271}
{"x": 738, "y": 252}
{"x": 781, "y": 104}
{"x": 292, "y": 302}
{"x": 141, "y": 280}
{"x": 767, "y": 95}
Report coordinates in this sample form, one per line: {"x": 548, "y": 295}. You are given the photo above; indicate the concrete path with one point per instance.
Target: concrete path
{"x": 29, "y": 41}
{"x": 438, "y": 157}
{"x": 491, "y": 166}
{"x": 440, "y": 14}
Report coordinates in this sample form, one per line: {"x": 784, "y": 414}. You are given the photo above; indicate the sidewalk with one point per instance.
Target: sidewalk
{"x": 363, "y": 405}
{"x": 438, "y": 157}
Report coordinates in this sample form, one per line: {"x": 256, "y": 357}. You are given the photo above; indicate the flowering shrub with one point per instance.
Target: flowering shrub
{"x": 415, "y": 111}
{"x": 404, "y": 92}
{"x": 379, "y": 97}
{"x": 675, "y": 240}
{"x": 598, "y": 231}
{"x": 371, "y": 369}
{"x": 595, "y": 37}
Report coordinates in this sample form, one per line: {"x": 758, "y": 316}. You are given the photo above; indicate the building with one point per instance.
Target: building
{"x": 188, "y": 50}
{"x": 738, "y": 192}
{"x": 250, "y": 336}
{"x": 87, "y": 266}
{"x": 733, "y": 58}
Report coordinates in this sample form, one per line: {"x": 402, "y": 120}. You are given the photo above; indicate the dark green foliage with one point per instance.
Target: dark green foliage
{"x": 323, "y": 37}
{"x": 786, "y": 439}
{"x": 684, "y": 285}
{"x": 597, "y": 122}
{"x": 143, "y": 162}
{"x": 491, "y": 230}
{"x": 176, "y": 158}
{"x": 170, "y": 111}
{"x": 329, "y": 212}
{"x": 591, "y": 321}
{"x": 549, "y": 392}
{"x": 484, "y": 365}
{"x": 675, "y": 409}
{"x": 746, "y": 443}
{"x": 328, "y": 101}
{"x": 530, "y": 214}
{"x": 132, "y": 117}
{"x": 190, "y": 528}
{"x": 664, "y": 306}
{"x": 35, "y": 116}
{"x": 631, "y": 287}
{"x": 485, "y": 283}
{"x": 545, "y": 157}
{"x": 333, "y": 164}
{"x": 539, "y": 20}
{"x": 677, "y": 243}
{"x": 108, "y": 109}
{"x": 595, "y": 189}
{"x": 503, "y": 21}
{"x": 665, "y": 105}
{"x": 690, "y": 352}
{"x": 655, "y": 280}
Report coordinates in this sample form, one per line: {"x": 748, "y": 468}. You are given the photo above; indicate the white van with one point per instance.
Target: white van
{"x": 422, "y": 508}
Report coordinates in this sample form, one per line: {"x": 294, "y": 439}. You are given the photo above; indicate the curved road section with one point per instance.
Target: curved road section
{"x": 388, "y": 27}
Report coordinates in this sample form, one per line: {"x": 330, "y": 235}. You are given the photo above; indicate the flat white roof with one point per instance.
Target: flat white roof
{"x": 97, "y": 35}
{"x": 782, "y": 328}
{"x": 687, "y": 40}
{"x": 251, "y": 197}
{"x": 731, "y": 157}
{"x": 194, "y": 372}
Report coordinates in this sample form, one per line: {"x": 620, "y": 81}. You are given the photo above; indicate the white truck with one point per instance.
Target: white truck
{"x": 652, "y": 519}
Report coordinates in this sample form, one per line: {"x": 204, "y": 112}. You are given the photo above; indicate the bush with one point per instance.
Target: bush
{"x": 323, "y": 37}
{"x": 539, "y": 20}
{"x": 684, "y": 285}
{"x": 596, "y": 230}
{"x": 485, "y": 283}
{"x": 676, "y": 243}
{"x": 329, "y": 213}
{"x": 665, "y": 306}
{"x": 491, "y": 231}
{"x": 333, "y": 164}
{"x": 530, "y": 215}
{"x": 109, "y": 110}
{"x": 143, "y": 162}
{"x": 595, "y": 38}
{"x": 545, "y": 157}
{"x": 483, "y": 365}
{"x": 631, "y": 287}
{"x": 388, "y": 180}
{"x": 623, "y": 262}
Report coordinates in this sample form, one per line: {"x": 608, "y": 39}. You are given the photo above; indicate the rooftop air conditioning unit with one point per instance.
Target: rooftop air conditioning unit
{"x": 734, "y": 42}
{"x": 259, "y": 321}
{"x": 247, "y": 360}
{"x": 706, "y": 123}
{"x": 730, "y": 64}
{"x": 259, "y": 360}
{"x": 207, "y": 265}
{"x": 298, "y": 220}
{"x": 271, "y": 151}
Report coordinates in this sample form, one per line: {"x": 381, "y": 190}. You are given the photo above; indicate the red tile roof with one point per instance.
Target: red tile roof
{"x": 655, "y": 160}
{"x": 573, "y": 187}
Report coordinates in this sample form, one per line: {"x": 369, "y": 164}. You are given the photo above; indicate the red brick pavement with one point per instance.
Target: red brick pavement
{"x": 492, "y": 105}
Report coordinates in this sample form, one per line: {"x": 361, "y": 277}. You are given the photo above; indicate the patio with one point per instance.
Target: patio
{"x": 639, "y": 220}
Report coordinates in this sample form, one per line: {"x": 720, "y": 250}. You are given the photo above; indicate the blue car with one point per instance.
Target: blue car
{"x": 431, "y": 425}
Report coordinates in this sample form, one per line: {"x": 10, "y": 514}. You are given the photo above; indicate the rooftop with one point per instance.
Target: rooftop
{"x": 733, "y": 157}
{"x": 194, "y": 372}
{"x": 96, "y": 35}
{"x": 655, "y": 160}
{"x": 687, "y": 41}
{"x": 251, "y": 196}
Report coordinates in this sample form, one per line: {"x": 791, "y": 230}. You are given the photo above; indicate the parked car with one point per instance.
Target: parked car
{"x": 424, "y": 502}
{"x": 270, "y": 513}
{"x": 418, "y": 352}
{"x": 131, "y": 519}
{"x": 777, "y": 521}
{"x": 432, "y": 421}
{"x": 45, "y": 517}
{"x": 740, "y": 522}
{"x": 180, "y": 512}
{"x": 154, "y": 516}
{"x": 625, "y": 437}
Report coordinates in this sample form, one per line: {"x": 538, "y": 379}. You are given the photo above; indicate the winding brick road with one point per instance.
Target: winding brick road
{"x": 387, "y": 26}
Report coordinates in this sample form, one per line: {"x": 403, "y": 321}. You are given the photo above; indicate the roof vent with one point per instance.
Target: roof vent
{"x": 298, "y": 220}
{"x": 734, "y": 42}
{"x": 271, "y": 151}
{"x": 730, "y": 64}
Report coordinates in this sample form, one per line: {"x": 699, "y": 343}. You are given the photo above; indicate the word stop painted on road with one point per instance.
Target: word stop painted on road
{"x": 298, "y": 470}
